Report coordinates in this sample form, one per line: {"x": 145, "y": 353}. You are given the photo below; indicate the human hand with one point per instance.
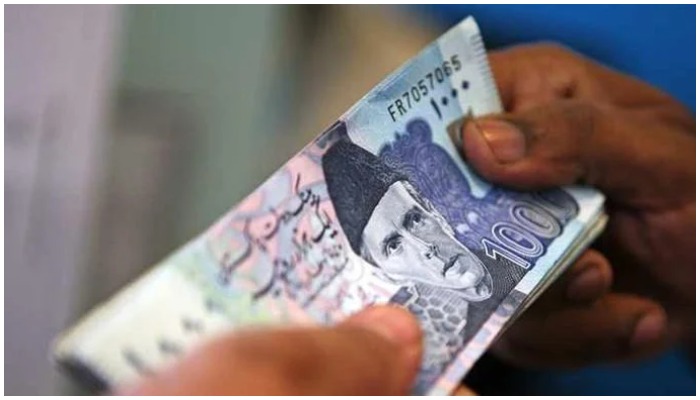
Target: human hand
{"x": 376, "y": 351}
{"x": 569, "y": 120}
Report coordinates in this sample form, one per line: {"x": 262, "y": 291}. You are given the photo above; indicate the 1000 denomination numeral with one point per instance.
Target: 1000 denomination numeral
{"x": 519, "y": 239}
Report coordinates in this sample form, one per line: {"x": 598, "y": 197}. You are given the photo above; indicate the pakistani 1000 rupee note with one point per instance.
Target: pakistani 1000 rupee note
{"x": 380, "y": 208}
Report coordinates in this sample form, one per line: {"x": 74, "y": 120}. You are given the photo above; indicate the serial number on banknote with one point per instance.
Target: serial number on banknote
{"x": 423, "y": 87}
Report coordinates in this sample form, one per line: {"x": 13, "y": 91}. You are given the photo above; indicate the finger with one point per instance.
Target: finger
{"x": 618, "y": 327}
{"x": 375, "y": 352}
{"x": 587, "y": 280}
{"x": 533, "y": 75}
{"x": 571, "y": 142}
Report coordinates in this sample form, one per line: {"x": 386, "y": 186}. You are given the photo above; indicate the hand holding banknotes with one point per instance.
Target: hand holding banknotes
{"x": 569, "y": 120}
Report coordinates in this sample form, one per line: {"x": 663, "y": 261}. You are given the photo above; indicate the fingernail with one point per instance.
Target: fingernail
{"x": 393, "y": 323}
{"x": 650, "y": 328}
{"x": 587, "y": 285}
{"x": 506, "y": 141}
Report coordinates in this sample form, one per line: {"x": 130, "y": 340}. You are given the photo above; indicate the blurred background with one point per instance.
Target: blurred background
{"x": 130, "y": 129}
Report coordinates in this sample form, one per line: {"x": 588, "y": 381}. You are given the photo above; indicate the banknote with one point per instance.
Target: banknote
{"x": 380, "y": 208}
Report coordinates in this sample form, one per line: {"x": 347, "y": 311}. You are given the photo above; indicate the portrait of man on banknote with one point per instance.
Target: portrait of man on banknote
{"x": 393, "y": 227}
{"x": 390, "y": 225}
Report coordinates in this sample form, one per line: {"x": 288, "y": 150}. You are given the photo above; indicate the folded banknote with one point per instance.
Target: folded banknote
{"x": 380, "y": 208}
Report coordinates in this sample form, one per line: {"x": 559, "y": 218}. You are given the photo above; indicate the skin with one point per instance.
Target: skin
{"x": 376, "y": 351}
{"x": 569, "y": 120}
{"x": 409, "y": 244}
{"x": 575, "y": 122}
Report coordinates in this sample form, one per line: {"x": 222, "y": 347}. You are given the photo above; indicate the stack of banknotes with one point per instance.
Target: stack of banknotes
{"x": 380, "y": 208}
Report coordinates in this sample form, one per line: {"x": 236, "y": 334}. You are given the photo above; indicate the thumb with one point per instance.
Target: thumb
{"x": 377, "y": 351}
{"x": 571, "y": 141}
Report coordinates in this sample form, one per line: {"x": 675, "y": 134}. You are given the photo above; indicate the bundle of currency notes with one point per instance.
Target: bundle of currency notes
{"x": 380, "y": 208}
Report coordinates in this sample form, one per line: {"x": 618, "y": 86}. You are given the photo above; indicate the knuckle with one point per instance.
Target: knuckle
{"x": 555, "y": 49}
{"x": 554, "y": 54}
{"x": 582, "y": 117}
{"x": 564, "y": 67}
{"x": 543, "y": 49}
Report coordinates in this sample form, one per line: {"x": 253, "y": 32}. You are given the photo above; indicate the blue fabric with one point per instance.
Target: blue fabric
{"x": 669, "y": 374}
{"x": 655, "y": 43}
